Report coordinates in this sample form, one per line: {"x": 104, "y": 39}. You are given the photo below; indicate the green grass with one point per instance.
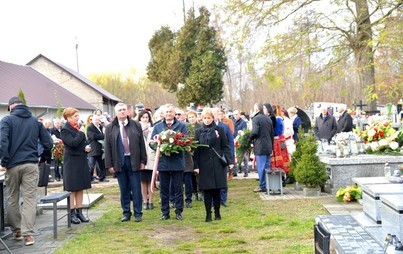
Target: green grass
{"x": 248, "y": 225}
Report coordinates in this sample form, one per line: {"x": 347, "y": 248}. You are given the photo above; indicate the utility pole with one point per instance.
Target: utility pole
{"x": 184, "y": 11}
{"x": 78, "y": 70}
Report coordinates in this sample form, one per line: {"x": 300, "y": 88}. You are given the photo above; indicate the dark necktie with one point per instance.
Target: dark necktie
{"x": 169, "y": 125}
{"x": 125, "y": 138}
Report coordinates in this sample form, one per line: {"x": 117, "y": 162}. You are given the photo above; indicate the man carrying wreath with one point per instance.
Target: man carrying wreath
{"x": 171, "y": 167}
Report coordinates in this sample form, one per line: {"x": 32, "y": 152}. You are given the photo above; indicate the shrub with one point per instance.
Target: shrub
{"x": 308, "y": 169}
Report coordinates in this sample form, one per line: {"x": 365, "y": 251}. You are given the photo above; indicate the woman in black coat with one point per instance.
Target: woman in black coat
{"x": 76, "y": 176}
{"x": 212, "y": 174}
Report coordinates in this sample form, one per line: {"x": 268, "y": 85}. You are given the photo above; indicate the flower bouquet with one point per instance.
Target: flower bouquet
{"x": 243, "y": 145}
{"x": 175, "y": 142}
{"x": 348, "y": 194}
{"x": 58, "y": 151}
{"x": 381, "y": 138}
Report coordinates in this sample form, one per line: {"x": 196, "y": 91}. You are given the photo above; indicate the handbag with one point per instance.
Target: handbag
{"x": 222, "y": 158}
{"x": 44, "y": 171}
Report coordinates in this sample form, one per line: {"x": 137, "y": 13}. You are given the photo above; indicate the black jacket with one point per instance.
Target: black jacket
{"x": 345, "y": 123}
{"x": 212, "y": 174}
{"x": 20, "y": 133}
{"x": 114, "y": 150}
{"x": 95, "y": 137}
{"x": 325, "y": 128}
{"x": 262, "y": 134}
{"x": 56, "y": 132}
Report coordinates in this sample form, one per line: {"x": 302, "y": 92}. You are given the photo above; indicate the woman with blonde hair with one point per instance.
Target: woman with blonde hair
{"x": 296, "y": 121}
{"x": 76, "y": 177}
{"x": 212, "y": 173}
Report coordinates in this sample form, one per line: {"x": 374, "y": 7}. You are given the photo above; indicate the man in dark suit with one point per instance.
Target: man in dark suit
{"x": 262, "y": 136}
{"x": 125, "y": 155}
{"x": 171, "y": 167}
{"x": 96, "y": 140}
{"x": 345, "y": 123}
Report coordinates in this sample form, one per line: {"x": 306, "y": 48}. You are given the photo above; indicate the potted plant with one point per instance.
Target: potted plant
{"x": 308, "y": 169}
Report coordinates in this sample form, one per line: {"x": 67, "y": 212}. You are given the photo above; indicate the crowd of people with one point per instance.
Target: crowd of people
{"x": 125, "y": 147}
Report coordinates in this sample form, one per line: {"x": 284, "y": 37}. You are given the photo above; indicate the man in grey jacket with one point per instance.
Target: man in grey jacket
{"x": 325, "y": 125}
{"x": 20, "y": 134}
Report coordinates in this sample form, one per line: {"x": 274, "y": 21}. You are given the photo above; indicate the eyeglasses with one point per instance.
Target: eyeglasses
{"x": 178, "y": 114}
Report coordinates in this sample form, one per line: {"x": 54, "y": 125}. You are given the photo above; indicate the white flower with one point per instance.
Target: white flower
{"x": 163, "y": 136}
{"x": 383, "y": 142}
{"x": 171, "y": 140}
{"x": 394, "y": 145}
{"x": 371, "y": 133}
{"x": 374, "y": 146}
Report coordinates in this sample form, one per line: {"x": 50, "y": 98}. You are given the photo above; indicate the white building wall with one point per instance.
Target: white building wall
{"x": 69, "y": 82}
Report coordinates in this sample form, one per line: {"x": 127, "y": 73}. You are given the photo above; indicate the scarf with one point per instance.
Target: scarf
{"x": 75, "y": 126}
{"x": 207, "y": 135}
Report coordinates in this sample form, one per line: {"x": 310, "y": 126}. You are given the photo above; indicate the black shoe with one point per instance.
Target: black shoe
{"x": 179, "y": 216}
{"x": 224, "y": 204}
{"x": 104, "y": 180}
{"x": 58, "y": 179}
{"x": 150, "y": 206}
{"x": 217, "y": 215}
{"x": 208, "y": 218}
{"x": 145, "y": 206}
{"x": 137, "y": 218}
{"x": 188, "y": 205}
{"x": 165, "y": 217}
{"x": 80, "y": 216}
{"x": 125, "y": 218}
{"x": 74, "y": 218}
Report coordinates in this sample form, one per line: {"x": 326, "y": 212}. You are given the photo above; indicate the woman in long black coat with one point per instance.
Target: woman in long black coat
{"x": 76, "y": 176}
{"x": 212, "y": 174}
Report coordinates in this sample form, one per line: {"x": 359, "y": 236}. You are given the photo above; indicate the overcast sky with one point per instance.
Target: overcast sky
{"x": 112, "y": 36}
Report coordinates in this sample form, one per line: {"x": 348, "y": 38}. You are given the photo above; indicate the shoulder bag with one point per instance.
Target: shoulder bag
{"x": 222, "y": 158}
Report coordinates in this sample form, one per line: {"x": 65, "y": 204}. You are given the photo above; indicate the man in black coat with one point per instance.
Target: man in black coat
{"x": 262, "y": 136}
{"x": 345, "y": 123}
{"x": 125, "y": 155}
{"x": 96, "y": 140}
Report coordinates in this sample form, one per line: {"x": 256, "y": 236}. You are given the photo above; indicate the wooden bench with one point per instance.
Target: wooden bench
{"x": 54, "y": 198}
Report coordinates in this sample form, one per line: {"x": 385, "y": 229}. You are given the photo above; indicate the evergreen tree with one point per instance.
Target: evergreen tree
{"x": 308, "y": 169}
{"x": 22, "y": 96}
{"x": 191, "y": 62}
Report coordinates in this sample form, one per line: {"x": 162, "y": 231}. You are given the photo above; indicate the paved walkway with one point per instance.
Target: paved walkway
{"x": 44, "y": 242}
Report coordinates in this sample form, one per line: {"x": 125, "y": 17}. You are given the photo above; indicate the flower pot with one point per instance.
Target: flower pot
{"x": 311, "y": 192}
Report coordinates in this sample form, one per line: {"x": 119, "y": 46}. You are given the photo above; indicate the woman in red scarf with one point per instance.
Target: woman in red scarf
{"x": 76, "y": 176}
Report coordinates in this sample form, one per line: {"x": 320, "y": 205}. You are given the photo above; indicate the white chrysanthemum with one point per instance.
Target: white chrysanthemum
{"x": 163, "y": 137}
{"x": 394, "y": 145}
{"x": 383, "y": 142}
{"x": 371, "y": 133}
{"x": 374, "y": 146}
{"x": 171, "y": 140}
